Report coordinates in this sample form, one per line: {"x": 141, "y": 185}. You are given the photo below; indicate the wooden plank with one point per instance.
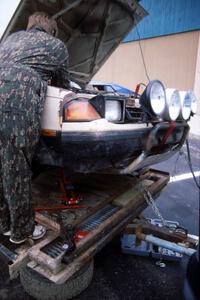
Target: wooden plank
{"x": 47, "y": 222}
{"x": 52, "y": 264}
{"x": 22, "y": 251}
{"x": 125, "y": 198}
{"x": 131, "y": 203}
{"x": 81, "y": 260}
{"x": 161, "y": 232}
{"x": 100, "y": 206}
{"x": 132, "y": 198}
{"x": 35, "y": 253}
{"x": 158, "y": 179}
{"x": 21, "y": 260}
{"x": 129, "y": 200}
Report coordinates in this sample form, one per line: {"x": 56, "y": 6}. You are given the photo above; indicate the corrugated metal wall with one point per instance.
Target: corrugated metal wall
{"x": 171, "y": 48}
{"x": 167, "y": 17}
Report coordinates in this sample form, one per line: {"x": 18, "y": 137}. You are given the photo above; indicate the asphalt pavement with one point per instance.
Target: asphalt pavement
{"x": 120, "y": 276}
{"x": 180, "y": 199}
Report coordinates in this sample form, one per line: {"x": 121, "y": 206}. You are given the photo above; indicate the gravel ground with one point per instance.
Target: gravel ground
{"x": 120, "y": 276}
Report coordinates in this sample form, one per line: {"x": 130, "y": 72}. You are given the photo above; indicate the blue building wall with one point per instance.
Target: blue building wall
{"x": 167, "y": 17}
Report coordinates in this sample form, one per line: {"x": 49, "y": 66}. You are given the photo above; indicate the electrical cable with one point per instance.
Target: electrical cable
{"x": 141, "y": 83}
{"x": 142, "y": 54}
{"x": 190, "y": 164}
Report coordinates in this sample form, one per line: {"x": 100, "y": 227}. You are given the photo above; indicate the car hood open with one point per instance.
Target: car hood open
{"x": 91, "y": 29}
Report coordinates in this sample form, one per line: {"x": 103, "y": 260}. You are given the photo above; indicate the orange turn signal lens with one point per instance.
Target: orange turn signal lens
{"x": 48, "y": 132}
{"x": 80, "y": 111}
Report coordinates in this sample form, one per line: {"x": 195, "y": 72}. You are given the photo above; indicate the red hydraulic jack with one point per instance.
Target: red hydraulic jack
{"x": 69, "y": 197}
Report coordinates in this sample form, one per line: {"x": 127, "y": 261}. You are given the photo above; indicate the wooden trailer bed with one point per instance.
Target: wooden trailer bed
{"x": 110, "y": 203}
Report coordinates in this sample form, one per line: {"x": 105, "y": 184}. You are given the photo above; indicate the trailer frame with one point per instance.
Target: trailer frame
{"x": 124, "y": 193}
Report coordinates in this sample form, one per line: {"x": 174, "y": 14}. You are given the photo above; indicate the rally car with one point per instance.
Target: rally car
{"x": 86, "y": 131}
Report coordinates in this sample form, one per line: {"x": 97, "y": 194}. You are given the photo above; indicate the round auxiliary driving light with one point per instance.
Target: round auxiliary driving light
{"x": 193, "y": 101}
{"x": 153, "y": 99}
{"x": 173, "y": 106}
{"x": 185, "y": 105}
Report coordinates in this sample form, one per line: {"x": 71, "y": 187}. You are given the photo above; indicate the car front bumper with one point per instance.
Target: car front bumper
{"x": 122, "y": 148}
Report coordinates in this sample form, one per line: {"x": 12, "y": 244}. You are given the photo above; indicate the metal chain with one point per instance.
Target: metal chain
{"x": 151, "y": 202}
{"x": 175, "y": 169}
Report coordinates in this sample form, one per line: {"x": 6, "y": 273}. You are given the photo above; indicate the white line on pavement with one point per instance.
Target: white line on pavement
{"x": 184, "y": 176}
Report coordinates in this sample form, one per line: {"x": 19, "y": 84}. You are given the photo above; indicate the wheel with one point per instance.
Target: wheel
{"x": 42, "y": 289}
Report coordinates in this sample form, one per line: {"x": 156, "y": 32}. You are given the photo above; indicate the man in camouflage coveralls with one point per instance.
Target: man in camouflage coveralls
{"x": 28, "y": 60}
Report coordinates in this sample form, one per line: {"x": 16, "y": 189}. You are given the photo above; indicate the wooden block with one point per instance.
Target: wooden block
{"x": 127, "y": 197}
{"x": 47, "y": 222}
{"x": 21, "y": 260}
{"x": 36, "y": 254}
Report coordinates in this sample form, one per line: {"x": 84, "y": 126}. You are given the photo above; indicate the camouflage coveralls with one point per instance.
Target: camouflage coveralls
{"x": 28, "y": 59}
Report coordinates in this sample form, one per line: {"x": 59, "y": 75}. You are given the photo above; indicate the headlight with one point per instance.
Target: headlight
{"x": 112, "y": 108}
{"x": 153, "y": 99}
{"x": 113, "y": 111}
{"x": 79, "y": 110}
{"x": 185, "y": 105}
{"x": 173, "y": 106}
{"x": 193, "y": 101}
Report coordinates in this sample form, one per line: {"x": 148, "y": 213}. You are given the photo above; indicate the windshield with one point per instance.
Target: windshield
{"x": 122, "y": 90}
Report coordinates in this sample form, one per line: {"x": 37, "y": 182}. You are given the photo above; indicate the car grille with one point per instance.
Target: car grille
{"x": 134, "y": 114}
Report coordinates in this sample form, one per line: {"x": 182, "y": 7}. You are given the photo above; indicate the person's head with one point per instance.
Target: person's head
{"x": 44, "y": 21}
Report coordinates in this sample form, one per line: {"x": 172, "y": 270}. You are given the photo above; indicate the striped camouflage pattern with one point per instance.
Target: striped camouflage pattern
{"x": 28, "y": 60}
